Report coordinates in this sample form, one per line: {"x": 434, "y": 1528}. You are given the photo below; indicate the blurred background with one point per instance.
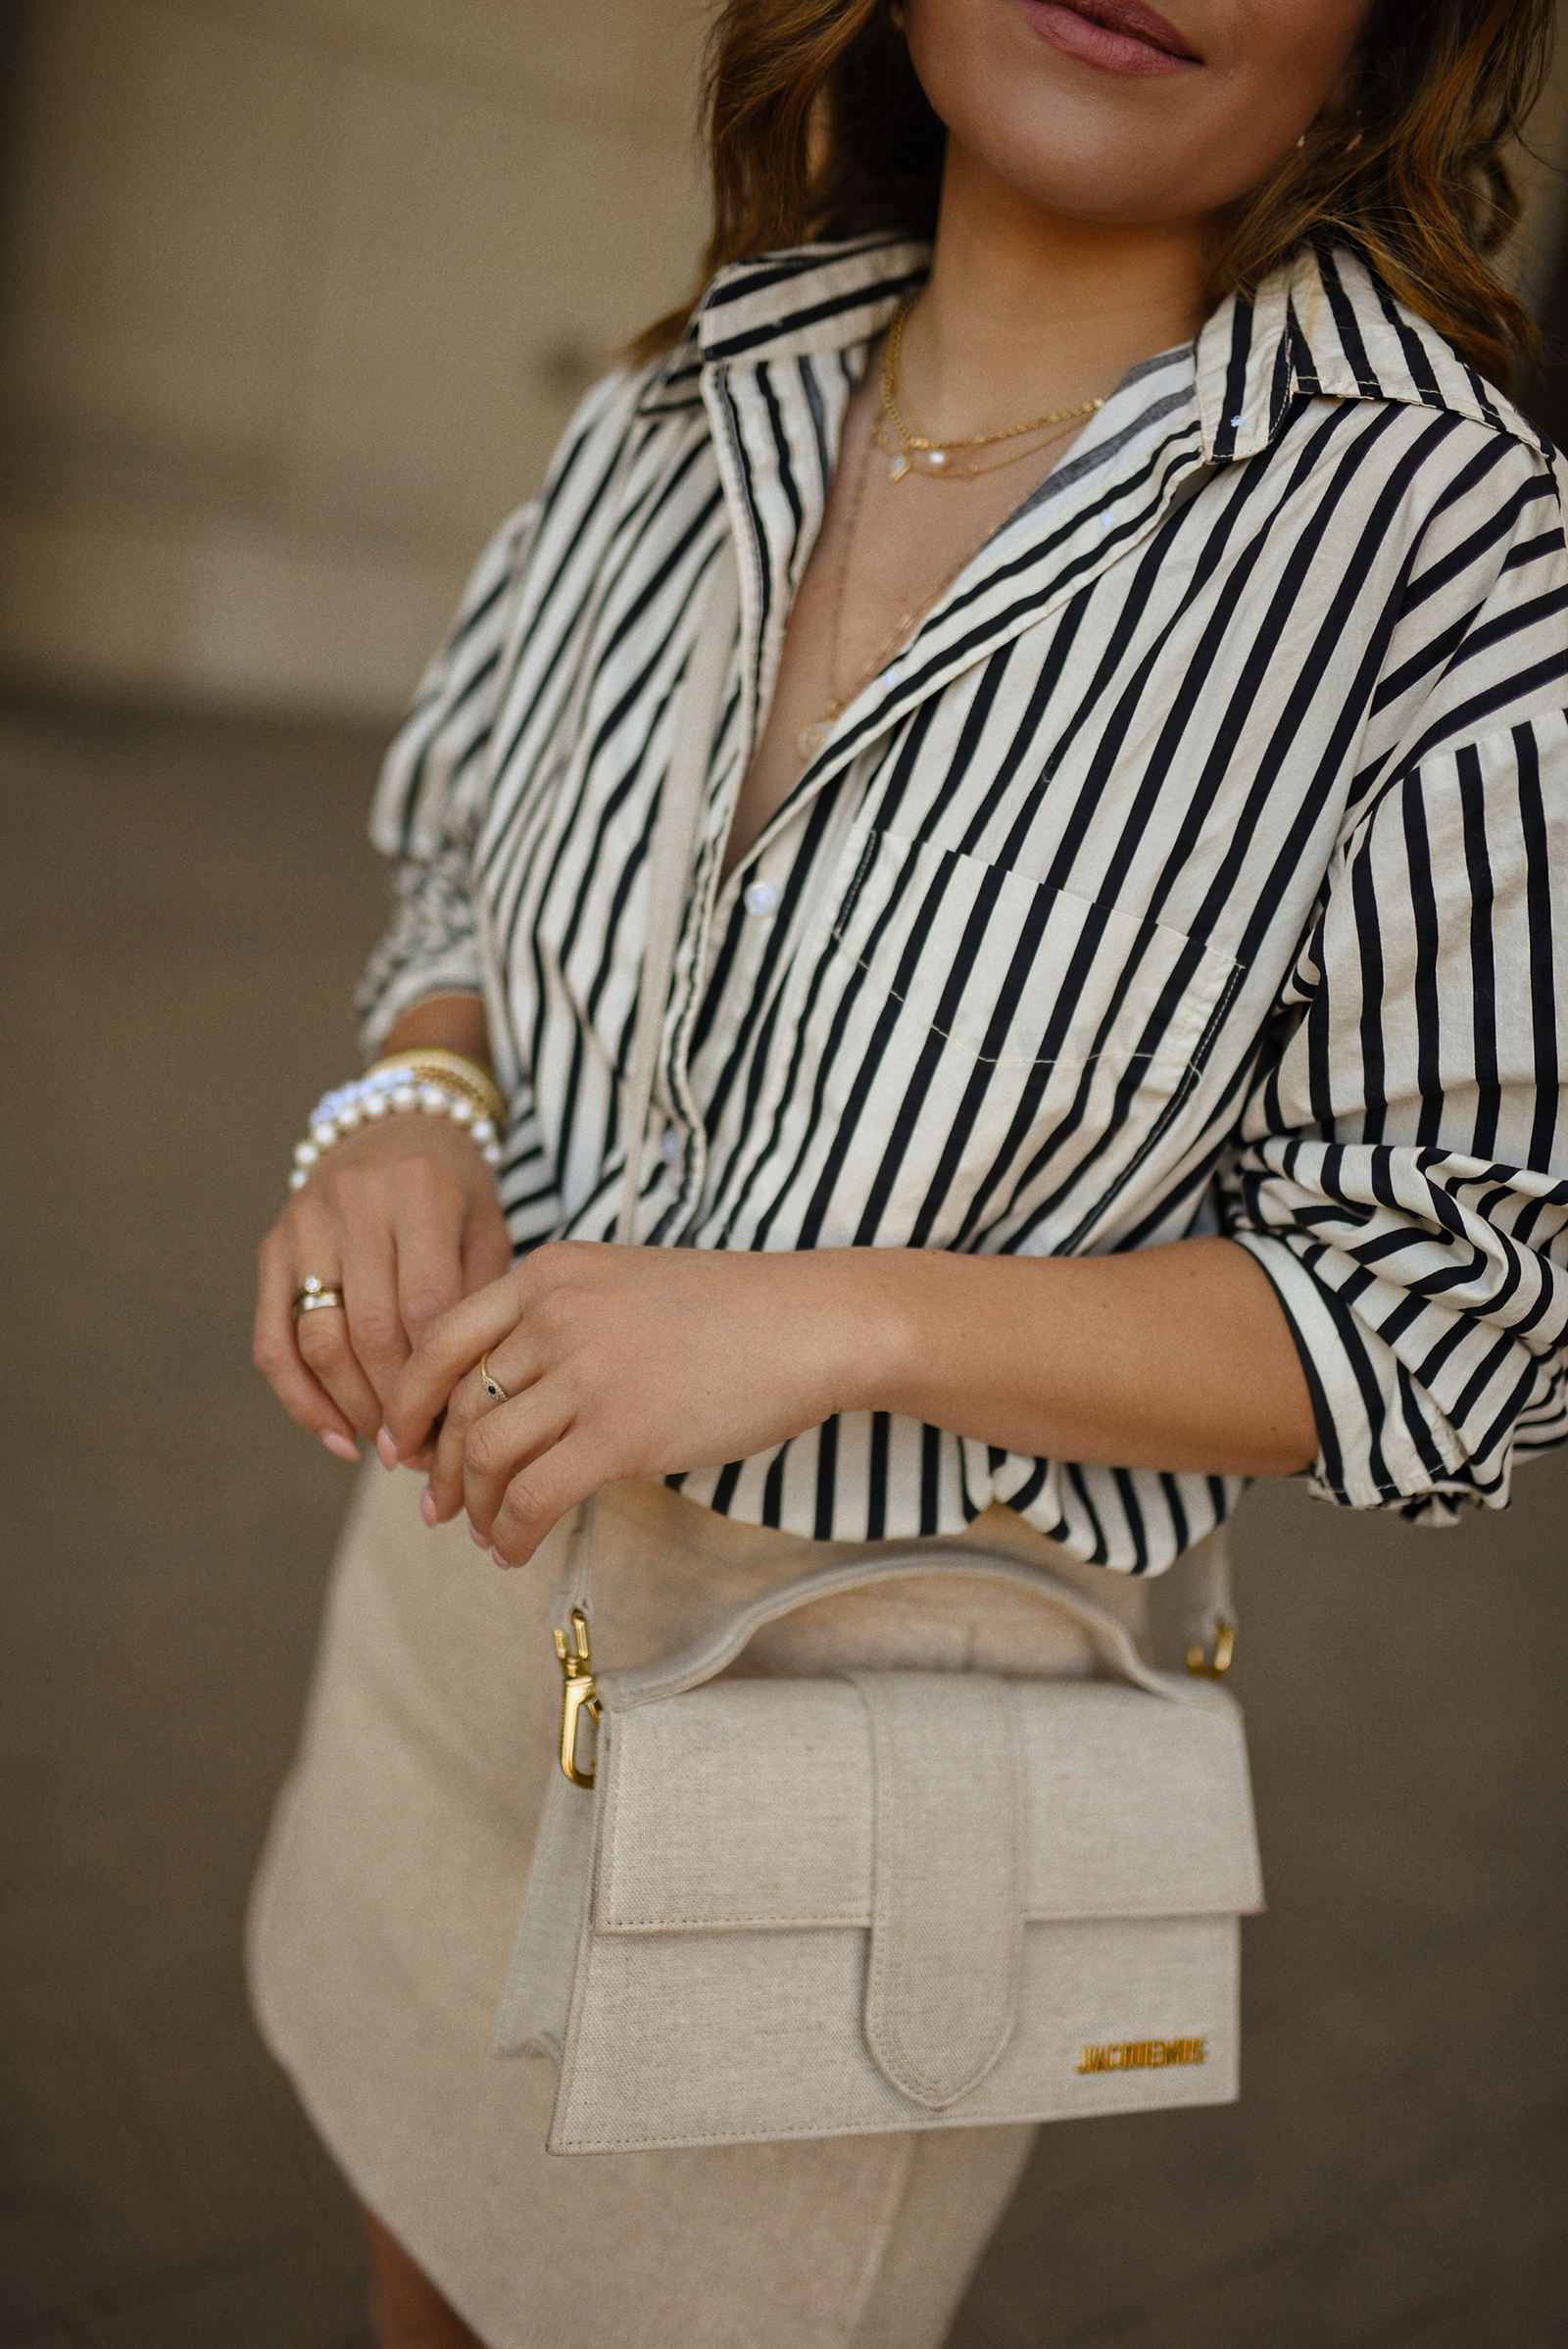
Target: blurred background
{"x": 295, "y": 296}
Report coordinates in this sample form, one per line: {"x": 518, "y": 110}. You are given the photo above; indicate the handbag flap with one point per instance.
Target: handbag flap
{"x": 947, "y": 1911}
{"x": 752, "y": 1803}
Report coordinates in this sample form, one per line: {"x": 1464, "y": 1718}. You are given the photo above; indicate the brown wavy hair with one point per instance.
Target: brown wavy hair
{"x": 818, "y": 129}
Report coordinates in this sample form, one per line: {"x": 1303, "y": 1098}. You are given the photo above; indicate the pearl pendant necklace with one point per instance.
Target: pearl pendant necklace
{"x": 909, "y": 450}
{"x": 814, "y": 738}
{"x": 931, "y": 459}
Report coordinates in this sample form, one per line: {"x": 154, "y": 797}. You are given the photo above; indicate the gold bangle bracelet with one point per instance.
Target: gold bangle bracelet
{"x": 433, "y": 1061}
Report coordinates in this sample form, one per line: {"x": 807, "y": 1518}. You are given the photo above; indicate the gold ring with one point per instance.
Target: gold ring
{"x": 492, "y": 1385}
{"x": 316, "y": 1296}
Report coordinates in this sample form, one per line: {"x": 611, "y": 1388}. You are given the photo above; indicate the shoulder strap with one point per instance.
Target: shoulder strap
{"x": 670, "y": 859}
{"x": 1208, "y": 1605}
{"x": 669, "y": 877}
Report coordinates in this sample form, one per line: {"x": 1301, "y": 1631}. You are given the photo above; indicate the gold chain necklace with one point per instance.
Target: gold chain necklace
{"x": 910, "y": 448}
{"x": 932, "y": 456}
{"x": 812, "y": 738}
{"x": 901, "y": 463}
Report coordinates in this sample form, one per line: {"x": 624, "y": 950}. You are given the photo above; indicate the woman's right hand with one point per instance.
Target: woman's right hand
{"x": 403, "y": 1217}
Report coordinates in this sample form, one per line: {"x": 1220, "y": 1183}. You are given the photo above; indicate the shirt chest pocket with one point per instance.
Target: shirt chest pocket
{"x": 998, "y": 1033}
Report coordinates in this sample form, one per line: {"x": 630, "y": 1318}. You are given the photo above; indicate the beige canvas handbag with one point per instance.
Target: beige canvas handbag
{"x": 768, "y": 1908}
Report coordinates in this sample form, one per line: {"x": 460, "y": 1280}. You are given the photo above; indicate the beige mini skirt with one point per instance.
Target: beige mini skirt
{"x": 385, "y": 1906}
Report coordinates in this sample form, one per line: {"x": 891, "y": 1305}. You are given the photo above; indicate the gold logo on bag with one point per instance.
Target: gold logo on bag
{"x": 1142, "y": 2055}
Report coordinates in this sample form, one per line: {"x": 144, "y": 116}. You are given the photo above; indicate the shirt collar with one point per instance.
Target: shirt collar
{"x": 1321, "y": 325}
{"x": 809, "y": 302}
{"x": 1324, "y": 326}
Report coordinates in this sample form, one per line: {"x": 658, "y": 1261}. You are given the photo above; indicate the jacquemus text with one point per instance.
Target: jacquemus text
{"x": 1141, "y": 2055}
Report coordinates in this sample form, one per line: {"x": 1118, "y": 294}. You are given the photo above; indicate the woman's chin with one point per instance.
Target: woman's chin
{"x": 1075, "y": 166}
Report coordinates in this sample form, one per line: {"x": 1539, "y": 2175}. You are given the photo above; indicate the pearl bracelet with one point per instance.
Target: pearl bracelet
{"x": 391, "y": 1088}
{"x": 452, "y": 1071}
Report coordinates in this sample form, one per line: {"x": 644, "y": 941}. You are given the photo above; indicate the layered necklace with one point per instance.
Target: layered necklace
{"x": 909, "y": 450}
{"x": 898, "y": 438}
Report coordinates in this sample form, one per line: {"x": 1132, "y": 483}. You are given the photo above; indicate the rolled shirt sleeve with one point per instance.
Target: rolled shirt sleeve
{"x": 1402, "y": 1174}
{"x": 430, "y": 796}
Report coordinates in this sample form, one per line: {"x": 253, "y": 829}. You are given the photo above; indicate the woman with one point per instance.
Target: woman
{"x": 1112, "y": 1050}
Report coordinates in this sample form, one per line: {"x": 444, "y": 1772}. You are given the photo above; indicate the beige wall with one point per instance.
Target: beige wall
{"x": 301, "y": 293}
{"x": 1539, "y": 173}
{"x": 298, "y": 295}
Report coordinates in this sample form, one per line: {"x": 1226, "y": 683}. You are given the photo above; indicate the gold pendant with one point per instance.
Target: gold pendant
{"x": 899, "y": 467}
{"x": 811, "y": 739}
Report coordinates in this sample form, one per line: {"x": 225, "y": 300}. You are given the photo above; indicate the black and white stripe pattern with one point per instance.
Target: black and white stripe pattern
{"x": 1199, "y": 866}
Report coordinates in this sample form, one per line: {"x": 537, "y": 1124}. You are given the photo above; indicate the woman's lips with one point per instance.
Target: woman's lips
{"x": 1120, "y": 36}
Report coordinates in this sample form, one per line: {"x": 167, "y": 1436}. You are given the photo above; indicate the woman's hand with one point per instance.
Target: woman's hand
{"x": 639, "y": 1361}
{"x": 626, "y": 1363}
{"x": 403, "y": 1217}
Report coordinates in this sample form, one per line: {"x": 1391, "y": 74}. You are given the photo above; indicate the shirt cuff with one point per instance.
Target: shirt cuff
{"x": 1383, "y": 1443}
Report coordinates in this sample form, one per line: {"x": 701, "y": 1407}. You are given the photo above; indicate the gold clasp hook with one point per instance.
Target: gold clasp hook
{"x": 576, "y": 1693}
{"x": 1208, "y": 1667}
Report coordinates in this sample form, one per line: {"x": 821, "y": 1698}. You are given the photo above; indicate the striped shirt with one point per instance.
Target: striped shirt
{"x": 1197, "y": 866}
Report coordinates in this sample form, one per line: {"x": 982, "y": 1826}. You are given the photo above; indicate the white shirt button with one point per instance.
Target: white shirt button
{"x": 673, "y": 1146}
{"x": 761, "y": 897}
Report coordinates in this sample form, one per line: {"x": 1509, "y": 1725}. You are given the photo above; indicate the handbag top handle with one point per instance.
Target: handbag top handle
{"x": 622, "y": 1691}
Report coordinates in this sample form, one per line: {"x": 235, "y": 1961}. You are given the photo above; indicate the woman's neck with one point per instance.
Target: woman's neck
{"x": 1029, "y": 310}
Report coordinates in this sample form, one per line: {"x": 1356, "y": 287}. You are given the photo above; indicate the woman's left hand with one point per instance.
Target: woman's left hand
{"x": 630, "y": 1362}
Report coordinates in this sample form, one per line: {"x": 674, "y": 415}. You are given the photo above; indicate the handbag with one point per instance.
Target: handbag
{"x": 769, "y": 1908}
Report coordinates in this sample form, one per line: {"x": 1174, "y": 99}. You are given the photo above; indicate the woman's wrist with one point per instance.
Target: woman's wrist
{"x": 454, "y": 1072}
{"x": 392, "y": 1089}
{"x": 1171, "y": 1357}
{"x": 870, "y": 1312}
{"x": 434, "y": 1058}
{"x": 453, "y": 1023}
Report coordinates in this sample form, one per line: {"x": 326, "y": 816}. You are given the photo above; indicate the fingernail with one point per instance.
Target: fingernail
{"x": 427, "y": 1507}
{"x": 476, "y": 1537}
{"x": 344, "y": 1446}
{"x": 385, "y": 1446}
{"x": 499, "y": 1560}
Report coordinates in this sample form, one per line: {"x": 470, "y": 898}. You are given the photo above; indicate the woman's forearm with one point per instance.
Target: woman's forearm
{"x": 1163, "y": 1357}
{"x": 1172, "y": 1357}
{"x": 451, "y": 1024}
{"x": 642, "y": 1361}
